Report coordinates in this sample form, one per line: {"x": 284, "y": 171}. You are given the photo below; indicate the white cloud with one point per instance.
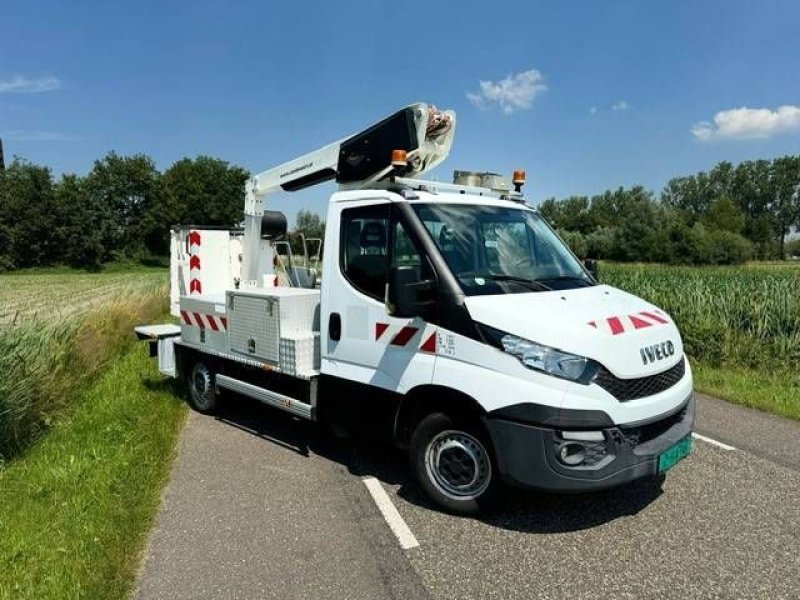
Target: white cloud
{"x": 21, "y": 135}
{"x": 749, "y": 123}
{"x": 21, "y": 84}
{"x": 515, "y": 92}
{"x": 621, "y": 105}
{"x": 593, "y": 110}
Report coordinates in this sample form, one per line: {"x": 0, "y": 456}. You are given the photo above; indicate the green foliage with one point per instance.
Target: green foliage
{"x": 724, "y": 215}
{"x": 576, "y": 242}
{"x": 203, "y": 191}
{"x": 56, "y": 332}
{"x": 121, "y": 210}
{"x": 311, "y": 225}
{"x": 76, "y": 509}
{"x": 26, "y": 208}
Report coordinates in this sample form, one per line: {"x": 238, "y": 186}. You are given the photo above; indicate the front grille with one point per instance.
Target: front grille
{"x": 631, "y": 389}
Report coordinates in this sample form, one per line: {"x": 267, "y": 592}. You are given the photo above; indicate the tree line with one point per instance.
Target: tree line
{"x": 727, "y": 215}
{"x": 123, "y": 208}
{"x": 120, "y": 211}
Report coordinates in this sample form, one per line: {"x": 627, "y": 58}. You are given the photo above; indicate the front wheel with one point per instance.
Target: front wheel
{"x": 453, "y": 463}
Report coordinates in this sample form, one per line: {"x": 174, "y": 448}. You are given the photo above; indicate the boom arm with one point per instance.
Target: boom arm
{"x": 425, "y": 133}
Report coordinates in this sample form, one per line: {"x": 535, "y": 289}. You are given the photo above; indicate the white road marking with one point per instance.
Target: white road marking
{"x": 389, "y": 512}
{"x": 708, "y": 440}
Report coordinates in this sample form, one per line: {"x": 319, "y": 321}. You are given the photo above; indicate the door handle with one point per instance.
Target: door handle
{"x": 335, "y": 327}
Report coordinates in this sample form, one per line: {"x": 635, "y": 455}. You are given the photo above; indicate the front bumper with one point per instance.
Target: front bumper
{"x": 527, "y": 453}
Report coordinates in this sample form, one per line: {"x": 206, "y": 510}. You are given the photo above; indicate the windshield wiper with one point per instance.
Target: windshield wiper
{"x": 567, "y": 278}
{"x": 529, "y": 282}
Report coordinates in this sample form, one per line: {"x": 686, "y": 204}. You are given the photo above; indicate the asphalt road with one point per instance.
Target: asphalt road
{"x": 264, "y": 506}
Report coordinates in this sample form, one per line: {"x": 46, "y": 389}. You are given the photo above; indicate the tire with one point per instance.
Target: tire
{"x": 202, "y": 394}
{"x": 454, "y": 463}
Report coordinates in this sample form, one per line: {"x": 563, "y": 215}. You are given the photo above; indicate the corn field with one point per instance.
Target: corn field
{"x": 735, "y": 316}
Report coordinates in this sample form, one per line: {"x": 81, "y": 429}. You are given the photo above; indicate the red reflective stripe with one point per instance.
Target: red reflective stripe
{"x": 653, "y": 316}
{"x": 224, "y": 322}
{"x": 639, "y": 323}
{"x": 185, "y": 317}
{"x": 194, "y": 262}
{"x": 430, "y": 344}
{"x": 616, "y": 325}
{"x": 195, "y": 286}
{"x": 213, "y": 322}
{"x": 404, "y": 336}
{"x": 199, "y": 320}
{"x": 194, "y": 238}
{"x": 379, "y": 329}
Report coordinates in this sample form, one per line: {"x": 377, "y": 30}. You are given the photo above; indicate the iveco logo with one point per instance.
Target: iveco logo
{"x": 656, "y": 352}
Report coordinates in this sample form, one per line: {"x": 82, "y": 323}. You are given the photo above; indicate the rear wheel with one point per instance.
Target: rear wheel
{"x": 202, "y": 396}
{"x": 453, "y": 463}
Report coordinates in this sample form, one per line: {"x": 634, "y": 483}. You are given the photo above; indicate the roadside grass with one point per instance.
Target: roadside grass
{"x": 46, "y": 357}
{"x": 76, "y": 509}
{"x": 777, "y": 392}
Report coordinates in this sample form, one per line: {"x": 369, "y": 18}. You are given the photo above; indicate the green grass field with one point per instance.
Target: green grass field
{"x": 740, "y": 326}
{"x": 76, "y": 509}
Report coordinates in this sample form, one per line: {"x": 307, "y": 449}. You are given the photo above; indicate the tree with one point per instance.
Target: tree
{"x": 785, "y": 191}
{"x": 724, "y": 215}
{"x": 83, "y": 223}
{"x": 127, "y": 187}
{"x": 200, "y": 191}
{"x": 311, "y": 225}
{"x": 26, "y": 220}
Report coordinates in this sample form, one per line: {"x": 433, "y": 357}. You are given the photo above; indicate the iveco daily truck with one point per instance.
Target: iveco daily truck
{"x": 449, "y": 319}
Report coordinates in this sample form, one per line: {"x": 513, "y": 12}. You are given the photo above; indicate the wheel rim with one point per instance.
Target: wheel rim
{"x": 458, "y": 465}
{"x": 201, "y": 389}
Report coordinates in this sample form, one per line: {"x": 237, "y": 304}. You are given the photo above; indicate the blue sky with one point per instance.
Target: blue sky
{"x": 257, "y": 83}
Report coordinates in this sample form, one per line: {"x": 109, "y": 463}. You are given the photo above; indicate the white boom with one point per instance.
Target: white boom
{"x": 423, "y": 131}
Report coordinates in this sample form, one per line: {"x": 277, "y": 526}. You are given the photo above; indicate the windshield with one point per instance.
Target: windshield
{"x": 501, "y": 250}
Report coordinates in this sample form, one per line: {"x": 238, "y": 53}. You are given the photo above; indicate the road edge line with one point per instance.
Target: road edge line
{"x": 390, "y": 514}
{"x": 714, "y": 442}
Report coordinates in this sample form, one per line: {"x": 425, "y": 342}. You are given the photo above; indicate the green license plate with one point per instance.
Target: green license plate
{"x": 671, "y": 457}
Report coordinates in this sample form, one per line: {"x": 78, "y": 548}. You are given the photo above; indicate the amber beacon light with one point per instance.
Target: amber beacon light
{"x": 518, "y": 180}
{"x": 399, "y": 158}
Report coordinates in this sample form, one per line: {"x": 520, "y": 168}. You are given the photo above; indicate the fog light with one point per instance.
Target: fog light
{"x": 572, "y": 453}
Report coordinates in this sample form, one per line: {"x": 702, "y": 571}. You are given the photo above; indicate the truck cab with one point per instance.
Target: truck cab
{"x": 454, "y": 322}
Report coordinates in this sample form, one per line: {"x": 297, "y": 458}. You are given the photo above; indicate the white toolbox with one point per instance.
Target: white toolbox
{"x": 258, "y": 319}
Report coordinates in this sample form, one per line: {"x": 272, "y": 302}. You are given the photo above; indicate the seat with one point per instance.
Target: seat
{"x": 368, "y": 269}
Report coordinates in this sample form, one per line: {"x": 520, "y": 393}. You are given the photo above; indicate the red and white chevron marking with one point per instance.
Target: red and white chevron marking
{"x": 620, "y": 324}
{"x": 204, "y": 321}
{"x": 195, "y": 285}
{"x": 404, "y": 335}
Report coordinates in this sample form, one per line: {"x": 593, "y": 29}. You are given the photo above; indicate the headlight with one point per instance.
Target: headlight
{"x": 544, "y": 358}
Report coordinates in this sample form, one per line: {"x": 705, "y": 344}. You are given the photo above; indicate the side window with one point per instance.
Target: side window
{"x": 365, "y": 248}
{"x": 406, "y": 254}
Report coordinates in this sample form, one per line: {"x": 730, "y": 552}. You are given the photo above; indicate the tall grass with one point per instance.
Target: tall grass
{"x": 728, "y": 316}
{"x": 44, "y": 363}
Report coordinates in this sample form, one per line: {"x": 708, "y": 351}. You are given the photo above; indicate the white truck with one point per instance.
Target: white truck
{"x": 449, "y": 319}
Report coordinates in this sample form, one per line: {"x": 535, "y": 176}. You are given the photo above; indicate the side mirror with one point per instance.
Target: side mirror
{"x": 407, "y": 295}
{"x": 593, "y": 267}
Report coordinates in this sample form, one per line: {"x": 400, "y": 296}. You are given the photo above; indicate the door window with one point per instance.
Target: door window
{"x": 365, "y": 248}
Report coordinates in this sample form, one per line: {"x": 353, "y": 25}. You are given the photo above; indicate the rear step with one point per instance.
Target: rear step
{"x": 292, "y": 405}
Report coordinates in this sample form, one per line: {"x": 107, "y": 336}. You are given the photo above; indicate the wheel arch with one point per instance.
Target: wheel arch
{"x": 426, "y": 399}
